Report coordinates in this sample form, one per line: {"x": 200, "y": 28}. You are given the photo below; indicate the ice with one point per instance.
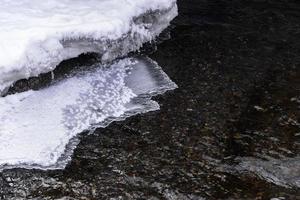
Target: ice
{"x": 38, "y": 128}
{"x": 37, "y": 35}
{"x": 283, "y": 172}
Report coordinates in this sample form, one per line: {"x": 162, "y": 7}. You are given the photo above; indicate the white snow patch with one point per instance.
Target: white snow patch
{"x": 37, "y": 126}
{"x": 33, "y": 32}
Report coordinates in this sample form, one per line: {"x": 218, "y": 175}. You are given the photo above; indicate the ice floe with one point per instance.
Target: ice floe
{"x": 282, "y": 172}
{"x": 38, "y": 128}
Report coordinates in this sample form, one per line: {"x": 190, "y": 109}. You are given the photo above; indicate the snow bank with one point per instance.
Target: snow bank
{"x": 37, "y": 126}
{"x": 37, "y": 35}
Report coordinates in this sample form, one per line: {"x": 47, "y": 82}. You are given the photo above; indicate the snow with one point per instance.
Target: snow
{"x": 35, "y": 35}
{"x": 38, "y": 128}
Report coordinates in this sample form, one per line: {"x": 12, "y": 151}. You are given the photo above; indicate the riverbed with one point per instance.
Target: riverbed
{"x": 230, "y": 131}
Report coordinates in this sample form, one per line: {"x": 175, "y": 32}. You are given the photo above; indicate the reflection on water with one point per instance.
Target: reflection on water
{"x": 36, "y": 126}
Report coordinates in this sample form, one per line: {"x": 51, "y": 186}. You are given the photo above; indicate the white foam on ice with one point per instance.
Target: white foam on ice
{"x": 36, "y": 127}
{"x": 33, "y": 33}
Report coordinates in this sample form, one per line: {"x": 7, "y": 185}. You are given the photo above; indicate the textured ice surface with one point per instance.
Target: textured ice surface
{"x": 283, "y": 172}
{"x": 37, "y": 35}
{"x": 36, "y": 126}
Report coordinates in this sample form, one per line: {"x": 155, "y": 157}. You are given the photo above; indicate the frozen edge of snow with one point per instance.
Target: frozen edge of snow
{"x": 144, "y": 28}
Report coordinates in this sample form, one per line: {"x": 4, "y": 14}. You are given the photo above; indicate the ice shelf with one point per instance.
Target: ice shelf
{"x": 37, "y": 35}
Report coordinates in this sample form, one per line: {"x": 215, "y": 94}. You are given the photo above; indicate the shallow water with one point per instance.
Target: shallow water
{"x": 230, "y": 131}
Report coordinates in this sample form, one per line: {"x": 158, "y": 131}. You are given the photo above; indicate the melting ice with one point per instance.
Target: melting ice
{"x": 37, "y": 126}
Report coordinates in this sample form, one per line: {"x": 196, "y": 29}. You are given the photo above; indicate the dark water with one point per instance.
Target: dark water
{"x": 231, "y": 130}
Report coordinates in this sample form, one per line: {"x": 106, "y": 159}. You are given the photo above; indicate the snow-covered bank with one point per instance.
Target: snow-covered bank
{"x": 37, "y": 35}
{"x": 37, "y": 126}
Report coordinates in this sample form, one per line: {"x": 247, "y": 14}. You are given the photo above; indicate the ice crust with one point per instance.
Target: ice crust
{"x": 284, "y": 172}
{"x": 38, "y": 128}
{"x": 37, "y": 35}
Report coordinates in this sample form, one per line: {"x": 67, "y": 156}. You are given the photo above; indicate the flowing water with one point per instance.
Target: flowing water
{"x": 230, "y": 130}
